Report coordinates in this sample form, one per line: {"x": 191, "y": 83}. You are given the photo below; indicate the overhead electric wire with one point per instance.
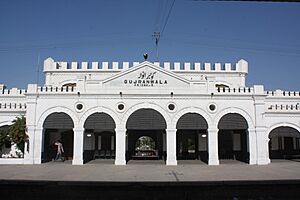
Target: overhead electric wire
{"x": 258, "y": 49}
{"x": 255, "y": 1}
{"x": 168, "y": 16}
{"x": 159, "y": 31}
{"x": 62, "y": 45}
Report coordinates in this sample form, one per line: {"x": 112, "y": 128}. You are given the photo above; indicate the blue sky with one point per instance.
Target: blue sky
{"x": 264, "y": 34}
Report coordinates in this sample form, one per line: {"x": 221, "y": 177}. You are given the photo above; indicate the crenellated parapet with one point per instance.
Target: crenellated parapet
{"x": 287, "y": 107}
{"x": 282, "y": 101}
{"x": 60, "y": 73}
{"x": 13, "y": 92}
{"x": 280, "y": 93}
{"x": 12, "y": 100}
{"x": 233, "y": 91}
{"x": 13, "y": 106}
{"x": 56, "y": 90}
{"x": 55, "y": 66}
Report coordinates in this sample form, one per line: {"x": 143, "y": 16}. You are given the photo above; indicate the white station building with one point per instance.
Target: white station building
{"x": 185, "y": 110}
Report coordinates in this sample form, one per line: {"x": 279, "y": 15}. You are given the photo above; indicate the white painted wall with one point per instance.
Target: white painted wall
{"x": 190, "y": 91}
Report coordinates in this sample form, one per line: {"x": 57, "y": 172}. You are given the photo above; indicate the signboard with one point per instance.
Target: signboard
{"x": 146, "y": 77}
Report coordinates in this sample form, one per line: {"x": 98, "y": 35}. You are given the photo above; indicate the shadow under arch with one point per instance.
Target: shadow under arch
{"x": 57, "y": 126}
{"x": 146, "y": 122}
{"x": 99, "y": 137}
{"x": 191, "y": 137}
{"x": 233, "y": 137}
{"x": 284, "y": 143}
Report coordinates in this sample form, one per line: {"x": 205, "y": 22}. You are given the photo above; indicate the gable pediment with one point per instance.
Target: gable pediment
{"x": 146, "y": 75}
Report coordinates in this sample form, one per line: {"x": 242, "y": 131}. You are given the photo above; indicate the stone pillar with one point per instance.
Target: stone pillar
{"x": 37, "y": 146}
{"x": 261, "y": 143}
{"x": 33, "y": 156}
{"x": 29, "y": 147}
{"x": 78, "y": 146}
{"x": 120, "y": 147}
{"x": 213, "y": 156}
{"x": 252, "y": 146}
{"x": 171, "y": 147}
{"x": 262, "y": 146}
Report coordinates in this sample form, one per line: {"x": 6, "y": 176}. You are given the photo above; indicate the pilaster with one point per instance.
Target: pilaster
{"x": 29, "y": 146}
{"x": 78, "y": 146}
{"x": 171, "y": 147}
{"x": 37, "y": 146}
{"x": 252, "y": 144}
{"x": 262, "y": 146}
{"x": 262, "y": 140}
{"x": 213, "y": 156}
{"x": 120, "y": 147}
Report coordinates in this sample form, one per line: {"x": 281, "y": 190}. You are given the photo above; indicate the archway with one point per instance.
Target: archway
{"x": 99, "y": 137}
{"x": 57, "y": 126}
{"x": 233, "y": 137}
{"x": 146, "y": 122}
{"x": 284, "y": 143}
{"x": 191, "y": 137}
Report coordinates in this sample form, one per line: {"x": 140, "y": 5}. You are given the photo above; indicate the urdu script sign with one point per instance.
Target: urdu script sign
{"x": 146, "y": 79}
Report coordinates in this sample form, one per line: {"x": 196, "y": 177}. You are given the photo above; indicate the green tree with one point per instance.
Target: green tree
{"x": 17, "y": 132}
{"x": 3, "y": 135}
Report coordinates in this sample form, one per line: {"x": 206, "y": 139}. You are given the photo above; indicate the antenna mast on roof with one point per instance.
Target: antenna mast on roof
{"x": 156, "y": 36}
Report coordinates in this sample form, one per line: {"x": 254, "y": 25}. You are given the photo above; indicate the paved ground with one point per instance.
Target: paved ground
{"x": 152, "y": 171}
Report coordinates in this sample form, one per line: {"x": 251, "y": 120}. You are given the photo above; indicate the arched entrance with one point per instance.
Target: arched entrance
{"x": 99, "y": 137}
{"x": 233, "y": 137}
{"x": 191, "y": 137}
{"x": 284, "y": 143}
{"x": 57, "y": 126}
{"x": 146, "y": 122}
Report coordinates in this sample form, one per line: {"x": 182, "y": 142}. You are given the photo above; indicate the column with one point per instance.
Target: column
{"x": 37, "y": 146}
{"x": 252, "y": 146}
{"x": 262, "y": 146}
{"x": 28, "y": 155}
{"x": 78, "y": 146}
{"x": 171, "y": 147}
{"x": 213, "y": 156}
{"x": 120, "y": 147}
{"x": 258, "y": 138}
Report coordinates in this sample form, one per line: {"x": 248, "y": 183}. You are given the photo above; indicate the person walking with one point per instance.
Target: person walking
{"x": 60, "y": 150}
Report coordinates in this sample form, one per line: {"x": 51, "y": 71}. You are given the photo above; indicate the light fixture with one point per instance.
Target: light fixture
{"x": 204, "y": 135}
{"x": 89, "y": 135}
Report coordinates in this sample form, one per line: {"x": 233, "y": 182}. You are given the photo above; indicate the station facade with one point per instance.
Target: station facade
{"x": 166, "y": 111}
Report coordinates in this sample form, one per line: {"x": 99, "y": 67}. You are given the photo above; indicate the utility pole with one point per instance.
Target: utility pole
{"x": 156, "y": 36}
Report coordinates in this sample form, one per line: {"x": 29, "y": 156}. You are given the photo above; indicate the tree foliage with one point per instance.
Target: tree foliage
{"x": 3, "y": 135}
{"x": 17, "y": 132}
{"x": 145, "y": 143}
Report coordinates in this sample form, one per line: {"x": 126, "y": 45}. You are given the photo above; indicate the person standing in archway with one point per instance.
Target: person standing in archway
{"x": 60, "y": 150}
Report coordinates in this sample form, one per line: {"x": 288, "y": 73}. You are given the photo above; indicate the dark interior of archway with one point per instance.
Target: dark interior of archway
{"x": 191, "y": 129}
{"x": 232, "y": 138}
{"x": 58, "y": 126}
{"x": 100, "y": 126}
{"x": 145, "y": 122}
{"x": 50, "y": 137}
{"x": 284, "y": 143}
